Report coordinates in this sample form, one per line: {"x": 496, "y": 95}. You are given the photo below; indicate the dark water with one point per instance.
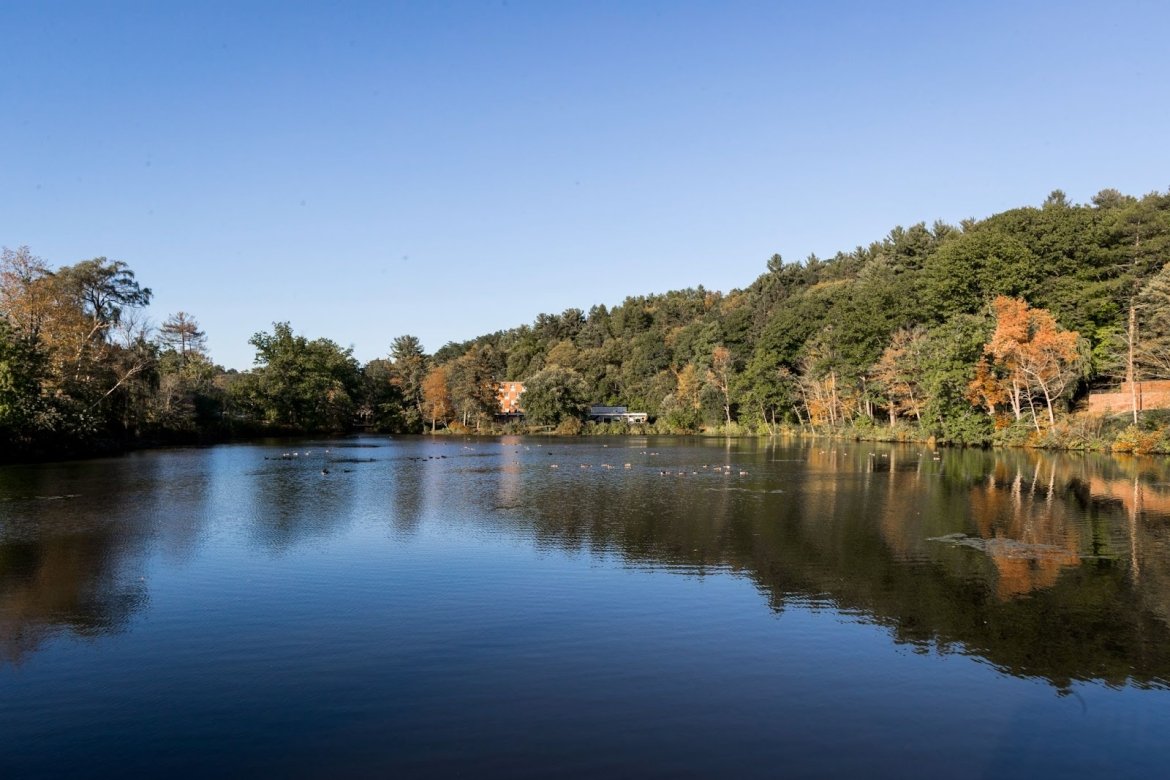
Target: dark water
{"x": 434, "y": 608}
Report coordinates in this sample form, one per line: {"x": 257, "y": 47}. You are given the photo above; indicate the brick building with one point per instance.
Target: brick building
{"x": 508, "y": 394}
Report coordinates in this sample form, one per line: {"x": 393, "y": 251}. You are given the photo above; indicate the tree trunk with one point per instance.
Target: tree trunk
{"x": 1032, "y": 406}
{"x": 1130, "y": 374}
{"x": 1014, "y": 396}
{"x": 764, "y": 416}
{"x": 1048, "y": 400}
{"x": 833, "y": 397}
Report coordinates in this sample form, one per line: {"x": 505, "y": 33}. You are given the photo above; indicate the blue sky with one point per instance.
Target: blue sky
{"x": 365, "y": 170}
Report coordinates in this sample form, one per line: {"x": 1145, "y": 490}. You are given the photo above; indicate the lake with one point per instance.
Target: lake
{"x": 530, "y": 607}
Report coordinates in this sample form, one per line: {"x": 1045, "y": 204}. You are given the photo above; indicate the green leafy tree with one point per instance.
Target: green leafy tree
{"x": 301, "y": 384}
{"x": 21, "y": 406}
{"x": 472, "y": 380}
{"x": 554, "y": 395}
{"x": 966, "y": 272}
{"x": 948, "y": 358}
{"x": 186, "y": 398}
{"x": 1151, "y": 342}
{"x": 381, "y": 406}
{"x": 767, "y": 391}
{"x": 104, "y": 289}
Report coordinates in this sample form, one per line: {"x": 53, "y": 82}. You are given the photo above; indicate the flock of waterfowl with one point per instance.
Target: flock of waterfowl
{"x": 705, "y": 468}
{"x": 725, "y": 470}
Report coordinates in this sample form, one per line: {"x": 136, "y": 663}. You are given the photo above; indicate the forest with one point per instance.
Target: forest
{"x": 993, "y": 331}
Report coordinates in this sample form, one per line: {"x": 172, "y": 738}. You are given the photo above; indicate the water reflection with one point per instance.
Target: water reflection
{"x": 1053, "y": 567}
{"x": 291, "y": 502}
{"x": 1048, "y": 566}
{"x": 69, "y": 555}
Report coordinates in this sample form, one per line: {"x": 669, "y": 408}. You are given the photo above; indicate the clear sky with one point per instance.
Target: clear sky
{"x": 366, "y": 170}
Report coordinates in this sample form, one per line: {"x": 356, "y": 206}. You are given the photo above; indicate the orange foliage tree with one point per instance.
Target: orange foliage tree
{"x": 1029, "y": 356}
{"x": 436, "y": 397}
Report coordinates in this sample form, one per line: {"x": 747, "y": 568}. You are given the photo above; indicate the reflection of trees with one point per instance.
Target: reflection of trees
{"x": 62, "y": 582}
{"x": 1055, "y": 566}
{"x": 1030, "y": 537}
{"x": 292, "y": 502}
{"x": 65, "y": 562}
{"x": 1051, "y": 580}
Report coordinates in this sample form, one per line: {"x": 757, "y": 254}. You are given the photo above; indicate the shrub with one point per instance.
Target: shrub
{"x": 570, "y": 426}
{"x": 1140, "y": 442}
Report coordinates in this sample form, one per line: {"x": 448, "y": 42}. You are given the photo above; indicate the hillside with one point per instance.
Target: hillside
{"x": 988, "y": 331}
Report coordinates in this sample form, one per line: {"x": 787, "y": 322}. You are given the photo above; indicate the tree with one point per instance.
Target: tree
{"x": 306, "y": 385}
{"x": 767, "y": 389}
{"x": 473, "y": 385}
{"x": 1142, "y": 349}
{"x": 181, "y": 333}
{"x": 947, "y": 360}
{"x": 410, "y": 368}
{"x": 721, "y": 375}
{"x": 187, "y": 398}
{"x": 1056, "y": 200}
{"x": 104, "y": 289}
{"x": 436, "y": 396}
{"x": 26, "y": 295}
{"x": 381, "y": 405}
{"x": 20, "y": 387}
{"x": 898, "y": 373}
{"x": 83, "y": 323}
{"x": 967, "y": 270}
{"x": 683, "y": 408}
{"x": 563, "y": 353}
{"x": 821, "y": 370}
{"x": 555, "y": 394}
{"x": 1031, "y": 355}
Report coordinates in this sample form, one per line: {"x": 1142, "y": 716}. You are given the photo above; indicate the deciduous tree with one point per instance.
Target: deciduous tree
{"x": 898, "y": 373}
{"x": 308, "y": 385}
{"x": 1030, "y": 355}
{"x": 721, "y": 375}
{"x": 436, "y": 396}
{"x": 553, "y": 395}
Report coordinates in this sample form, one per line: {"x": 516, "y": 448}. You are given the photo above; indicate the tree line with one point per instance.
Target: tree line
{"x": 987, "y": 331}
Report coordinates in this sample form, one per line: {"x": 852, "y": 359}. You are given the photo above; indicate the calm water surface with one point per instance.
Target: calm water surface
{"x": 525, "y": 607}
